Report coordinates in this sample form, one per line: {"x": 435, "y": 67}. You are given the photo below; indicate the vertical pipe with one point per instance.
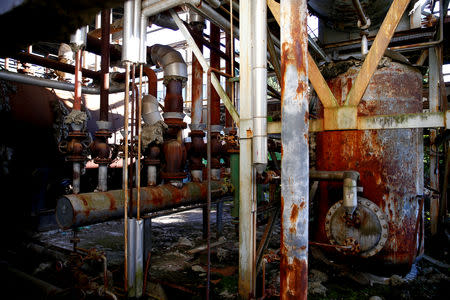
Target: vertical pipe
{"x": 76, "y": 177}
{"x": 138, "y": 167}
{"x": 151, "y": 175}
{"x": 132, "y": 132}
{"x": 197, "y": 84}
{"x": 77, "y": 96}
{"x": 433, "y": 98}
{"x": 246, "y": 204}
{"x": 102, "y": 178}
{"x": 234, "y": 164}
{"x": 229, "y": 85}
{"x": 104, "y": 79}
{"x": 214, "y": 37}
{"x": 131, "y": 257}
{"x": 295, "y": 161}
{"x": 125, "y": 170}
{"x": 208, "y": 201}
{"x": 259, "y": 77}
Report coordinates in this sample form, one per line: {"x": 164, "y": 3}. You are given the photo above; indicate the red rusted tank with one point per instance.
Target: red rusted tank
{"x": 390, "y": 162}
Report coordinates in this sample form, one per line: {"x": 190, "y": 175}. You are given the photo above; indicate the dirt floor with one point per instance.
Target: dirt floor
{"x": 175, "y": 272}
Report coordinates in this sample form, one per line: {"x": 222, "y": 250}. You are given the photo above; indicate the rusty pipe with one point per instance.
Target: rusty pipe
{"x": 78, "y": 76}
{"x": 427, "y": 44}
{"x": 25, "y": 57}
{"x": 53, "y": 84}
{"x": 104, "y": 67}
{"x": 215, "y": 64}
{"x": 363, "y": 20}
{"x": 90, "y": 208}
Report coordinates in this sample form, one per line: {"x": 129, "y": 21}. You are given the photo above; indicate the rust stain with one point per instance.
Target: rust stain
{"x": 293, "y": 278}
{"x": 112, "y": 201}
{"x": 378, "y": 155}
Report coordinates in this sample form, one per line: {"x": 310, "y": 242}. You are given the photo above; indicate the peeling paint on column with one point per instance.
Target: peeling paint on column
{"x": 295, "y": 161}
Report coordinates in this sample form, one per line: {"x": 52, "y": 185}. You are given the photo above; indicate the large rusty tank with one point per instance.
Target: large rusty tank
{"x": 390, "y": 163}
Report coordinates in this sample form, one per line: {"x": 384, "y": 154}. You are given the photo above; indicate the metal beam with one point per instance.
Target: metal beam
{"x": 295, "y": 160}
{"x": 214, "y": 80}
{"x": 400, "y": 121}
{"x": 320, "y": 85}
{"x": 315, "y": 77}
{"x": 376, "y": 52}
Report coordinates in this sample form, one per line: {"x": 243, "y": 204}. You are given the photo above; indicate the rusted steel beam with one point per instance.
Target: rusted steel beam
{"x": 318, "y": 82}
{"x": 295, "y": 160}
{"x": 397, "y": 121}
{"x": 84, "y": 209}
{"x": 377, "y": 50}
{"x": 320, "y": 85}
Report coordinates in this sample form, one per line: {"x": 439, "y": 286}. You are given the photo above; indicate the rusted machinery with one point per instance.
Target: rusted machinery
{"x": 386, "y": 226}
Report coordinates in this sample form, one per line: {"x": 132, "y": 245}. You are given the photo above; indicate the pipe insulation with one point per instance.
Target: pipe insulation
{"x": 259, "y": 77}
{"x": 130, "y": 42}
{"x": 171, "y": 61}
{"x": 90, "y": 208}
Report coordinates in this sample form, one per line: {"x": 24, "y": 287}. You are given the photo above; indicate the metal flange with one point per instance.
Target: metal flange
{"x": 371, "y": 233}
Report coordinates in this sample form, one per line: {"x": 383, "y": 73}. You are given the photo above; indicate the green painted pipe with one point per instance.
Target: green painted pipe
{"x": 234, "y": 164}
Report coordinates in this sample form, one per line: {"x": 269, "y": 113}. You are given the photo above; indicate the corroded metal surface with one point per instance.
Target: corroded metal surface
{"x": 89, "y": 208}
{"x": 369, "y": 232}
{"x": 390, "y": 162}
{"x": 197, "y": 82}
{"x": 215, "y": 63}
{"x": 295, "y": 161}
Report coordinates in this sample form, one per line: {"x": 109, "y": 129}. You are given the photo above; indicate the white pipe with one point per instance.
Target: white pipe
{"x": 143, "y": 39}
{"x": 139, "y": 257}
{"x": 131, "y": 257}
{"x": 76, "y": 177}
{"x": 151, "y": 175}
{"x": 130, "y": 42}
{"x": 259, "y": 77}
{"x": 102, "y": 178}
{"x": 247, "y": 205}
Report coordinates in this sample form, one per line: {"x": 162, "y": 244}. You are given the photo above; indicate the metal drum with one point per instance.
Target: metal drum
{"x": 390, "y": 163}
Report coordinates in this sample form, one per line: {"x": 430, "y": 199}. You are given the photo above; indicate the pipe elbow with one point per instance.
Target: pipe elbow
{"x": 171, "y": 61}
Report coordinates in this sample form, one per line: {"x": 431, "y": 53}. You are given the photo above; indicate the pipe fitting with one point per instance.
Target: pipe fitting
{"x": 171, "y": 61}
{"x": 150, "y": 110}
{"x": 350, "y": 191}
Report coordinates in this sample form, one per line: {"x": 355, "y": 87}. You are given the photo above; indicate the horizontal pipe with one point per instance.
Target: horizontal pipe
{"x": 43, "y": 286}
{"x": 48, "y": 83}
{"x": 84, "y": 209}
{"x": 332, "y": 175}
{"x": 53, "y": 64}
